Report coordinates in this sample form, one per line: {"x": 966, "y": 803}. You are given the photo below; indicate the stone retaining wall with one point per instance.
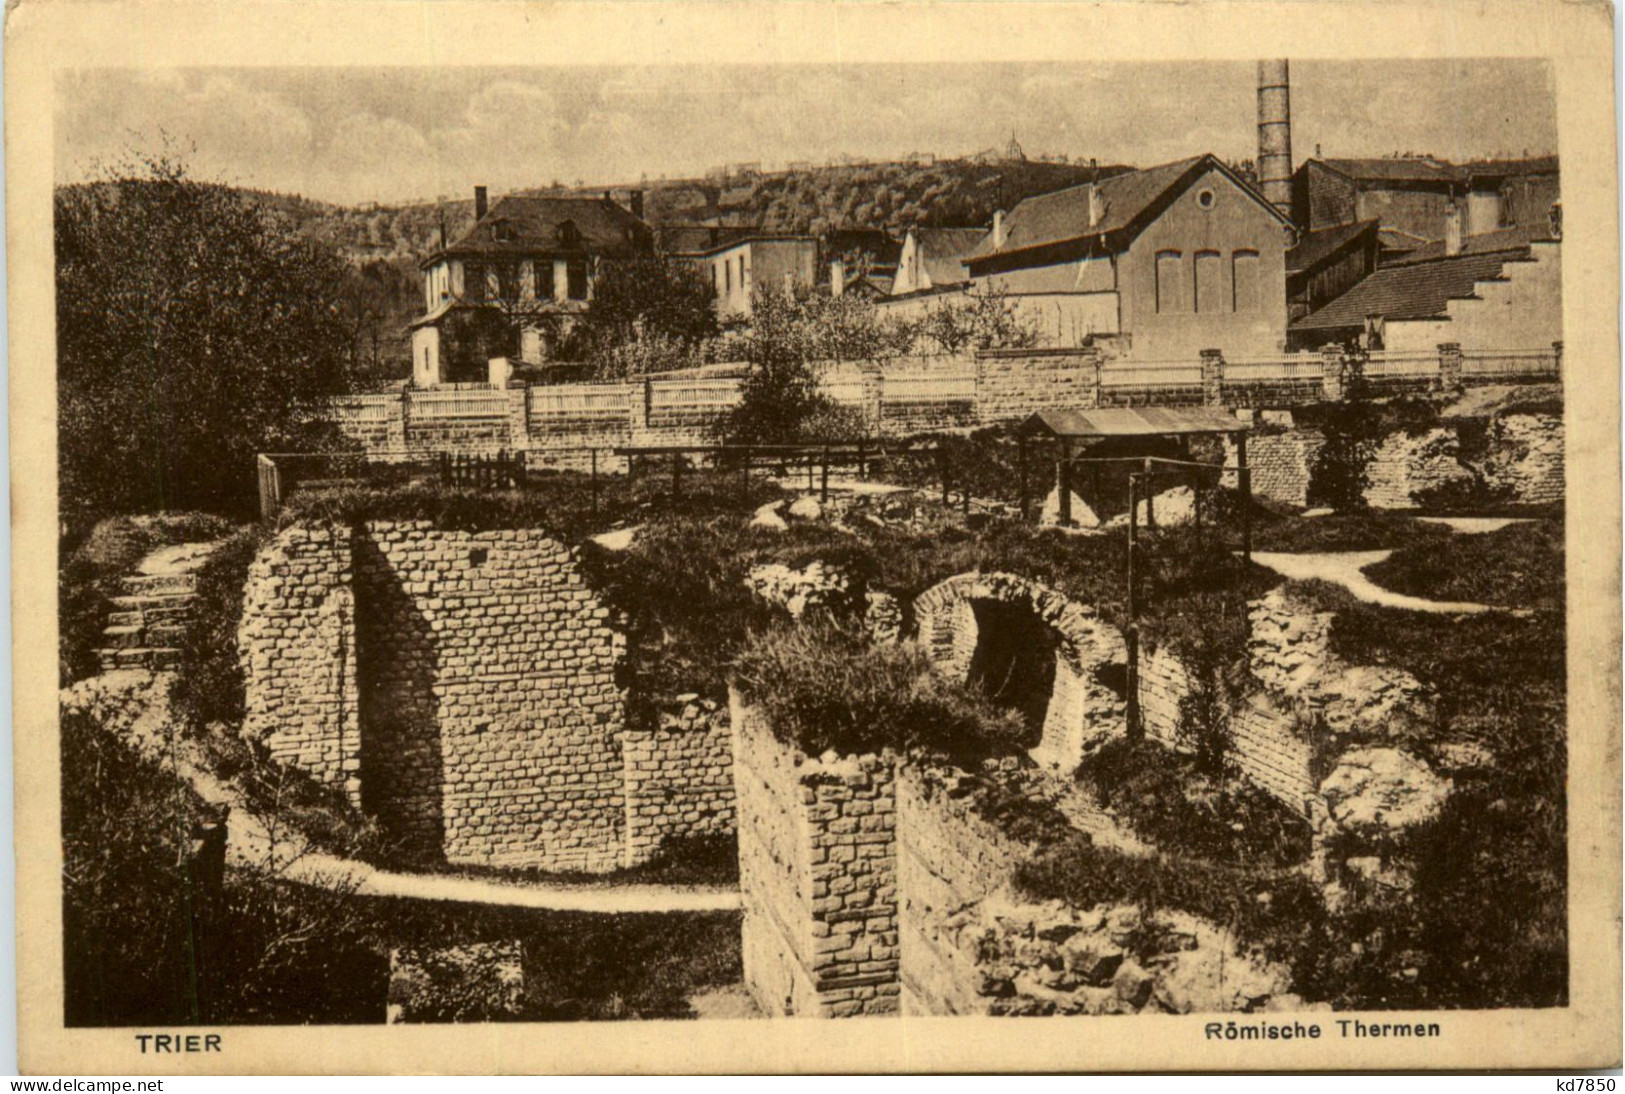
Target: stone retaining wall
{"x": 817, "y": 875}
{"x": 1281, "y": 463}
{"x": 678, "y": 778}
{"x": 1526, "y": 457}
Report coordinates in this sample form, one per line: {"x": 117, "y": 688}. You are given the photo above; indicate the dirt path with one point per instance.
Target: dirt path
{"x": 1346, "y": 568}
{"x": 140, "y": 702}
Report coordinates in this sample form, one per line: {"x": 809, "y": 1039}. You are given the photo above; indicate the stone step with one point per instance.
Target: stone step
{"x": 169, "y": 635}
{"x": 124, "y": 638}
{"x": 146, "y": 584}
{"x": 144, "y": 601}
{"x": 139, "y": 657}
{"x": 138, "y": 617}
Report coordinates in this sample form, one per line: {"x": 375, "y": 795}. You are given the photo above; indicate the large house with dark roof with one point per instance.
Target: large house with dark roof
{"x": 1158, "y": 264}
{"x": 516, "y": 279}
{"x": 932, "y": 259}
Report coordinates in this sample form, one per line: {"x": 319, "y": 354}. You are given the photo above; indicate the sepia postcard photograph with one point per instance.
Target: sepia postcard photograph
{"x": 889, "y": 537}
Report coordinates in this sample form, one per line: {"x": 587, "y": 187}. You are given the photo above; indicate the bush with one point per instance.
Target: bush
{"x": 1518, "y": 566}
{"x": 1170, "y": 801}
{"x": 822, "y": 687}
{"x": 209, "y": 686}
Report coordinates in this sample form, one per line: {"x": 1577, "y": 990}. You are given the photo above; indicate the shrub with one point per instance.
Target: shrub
{"x": 822, "y": 687}
{"x": 1520, "y": 565}
{"x": 209, "y": 686}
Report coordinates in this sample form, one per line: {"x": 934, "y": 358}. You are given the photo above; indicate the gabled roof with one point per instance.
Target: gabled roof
{"x": 1129, "y": 202}
{"x": 1399, "y": 169}
{"x": 942, "y": 252}
{"x": 1134, "y": 422}
{"x": 1505, "y": 169}
{"x": 1418, "y": 290}
{"x": 533, "y": 225}
{"x": 688, "y": 239}
{"x": 1504, "y": 239}
{"x": 1317, "y": 246}
{"x": 1392, "y": 239}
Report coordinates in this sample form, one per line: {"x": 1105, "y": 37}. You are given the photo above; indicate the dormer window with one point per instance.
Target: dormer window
{"x": 569, "y": 234}
{"x": 502, "y": 230}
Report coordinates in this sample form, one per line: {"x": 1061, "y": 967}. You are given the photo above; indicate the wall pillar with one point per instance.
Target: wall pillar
{"x": 519, "y": 417}
{"x": 872, "y": 406}
{"x": 1557, "y": 348}
{"x": 1212, "y": 377}
{"x": 1450, "y": 366}
{"x": 396, "y": 425}
{"x": 1091, "y": 380}
{"x": 1331, "y": 373}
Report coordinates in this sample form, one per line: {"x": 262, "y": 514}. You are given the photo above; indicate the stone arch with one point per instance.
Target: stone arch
{"x": 968, "y": 625}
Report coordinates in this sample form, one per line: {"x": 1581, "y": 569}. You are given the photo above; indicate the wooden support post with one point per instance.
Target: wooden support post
{"x": 1244, "y": 480}
{"x": 1131, "y": 634}
{"x": 942, "y": 469}
{"x": 823, "y": 482}
{"x": 677, "y": 474}
{"x": 1063, "y": 485}
{"x": 1150, "y": 497}
{"x": 1021, "y": 463}
{"x": 810, "y": 462}
{"x": 863, "y": 463}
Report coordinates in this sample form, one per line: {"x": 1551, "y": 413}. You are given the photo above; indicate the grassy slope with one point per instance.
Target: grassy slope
{"x": 1520, "y": 566}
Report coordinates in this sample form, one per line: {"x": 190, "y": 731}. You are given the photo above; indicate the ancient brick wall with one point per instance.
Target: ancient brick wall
{"x": 1263, "y": 745}
{"x": 490, "y": 705}
{"x": 1407, "y": 464}
{"x": 817, "y": 875}
{"x": 297, "y": 644}
{"x": 1525, "y": 457}
{"x": 463, "y": 688}
{"x": 678, "y": 778}
{"x": 948, "y": 859}
{"x": 1281, "y": 463}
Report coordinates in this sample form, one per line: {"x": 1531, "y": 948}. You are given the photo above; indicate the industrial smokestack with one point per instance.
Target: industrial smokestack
{"x": 1275, "y": 134}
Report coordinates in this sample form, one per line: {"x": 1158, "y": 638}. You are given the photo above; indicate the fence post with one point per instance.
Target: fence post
{"x": 1557, "y": 350}
{"x": 397, "y": 422}
{"x": 1131, "y": 634}
{"x": 1449, "y": 366}
{"x": 1331, "y": 373}
{"x": 594, "y": 484}
{"x": 1150, "y": 497}
{"x": 823, "y": 484}
{"x": 1063, "y": 486}
{"x": 1212, "y": 377}
{"x": 518, "y": 416}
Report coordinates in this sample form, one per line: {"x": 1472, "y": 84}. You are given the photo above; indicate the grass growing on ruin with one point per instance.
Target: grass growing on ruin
{"x": 1518, "y": 566}
{"x": 824, "y": 687}
{"x": 559, "y": 501}
{"x": 1367, "y": 530}
{"x": 1163, "y": 797}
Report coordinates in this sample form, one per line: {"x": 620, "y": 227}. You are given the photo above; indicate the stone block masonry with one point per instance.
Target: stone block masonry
{"x": 464, "y": 688}
{"x": 489, "y": 698}
{"x": 1281, "y": 463}
{"x": 817, "y": 872}
{"x": 297, "y": 637}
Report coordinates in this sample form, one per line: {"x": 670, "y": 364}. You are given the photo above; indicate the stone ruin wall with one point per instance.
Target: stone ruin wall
{"x": 463, "y": 687}
{"x": 489, "y": 697}
{"x": 817, "y": 877}
{"x": 948, "y": 859}
{"x": 297, "y": 637}
{"x": 1523, "y": 455}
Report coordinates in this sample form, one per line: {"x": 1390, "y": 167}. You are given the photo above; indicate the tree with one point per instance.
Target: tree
{"x": 658, "y": 296}
{"x": 192, "y": 328}
{"x": 979, "y": 320}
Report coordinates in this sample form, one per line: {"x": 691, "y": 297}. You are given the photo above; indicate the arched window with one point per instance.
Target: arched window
{"x": 1209, "y": 283}
{"x": 1244, "y": 281}
{"x": 1171, "y": 292}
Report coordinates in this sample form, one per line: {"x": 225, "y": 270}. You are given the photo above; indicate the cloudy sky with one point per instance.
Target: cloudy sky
{"x": 395, "y": 134}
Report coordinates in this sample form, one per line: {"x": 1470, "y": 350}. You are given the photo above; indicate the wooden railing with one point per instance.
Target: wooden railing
{"x": 927, "y": 387}
{"x": 693, "y": 396}
{"x": 440, "y": 404}
{"x": 1380, "y": 365}
{"x": 1513, "y": 364}
{"x": 581, "y": 401}
{"x": 1151, "y": 374}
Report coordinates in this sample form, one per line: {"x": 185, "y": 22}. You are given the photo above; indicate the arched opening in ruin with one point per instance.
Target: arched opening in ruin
{"x": 1029, "y": 648}
{"x": 1013, "y": 663}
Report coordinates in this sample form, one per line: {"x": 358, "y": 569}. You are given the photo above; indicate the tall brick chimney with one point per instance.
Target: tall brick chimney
{"x": 1452, "y": 229}
{"x": 479, "y": 203}
{"x": 635, "y": 203}
{"x": 1274, "y": 165}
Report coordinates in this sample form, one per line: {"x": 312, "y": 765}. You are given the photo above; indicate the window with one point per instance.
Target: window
{"x": 502, "y": 230}
{"x": 1209, "y": 283}
{"x": 575, "y": 273}
{"x": 1244, "y": 280}
{"x": 744, "y": 287}
{"x": 473, "y": 281}
{"x": 1205, "y": 199}
{"x": 545, "y": 286}
{"x": 1171, "y": 293}
{"x": 727, "y": 276}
